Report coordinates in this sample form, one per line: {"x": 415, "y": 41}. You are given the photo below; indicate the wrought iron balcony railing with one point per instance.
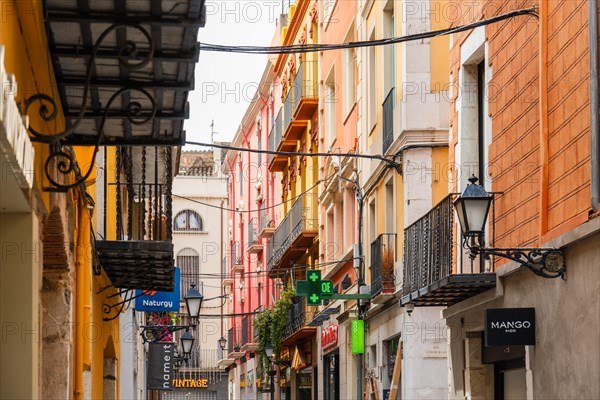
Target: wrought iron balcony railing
{"x": 306, "y": 86}
{"x": 246, "y": 329}
{"x": 295, "y": 233}
{"x": 137, "y": 251}
{"x": 383, "y": 260}
{"x": 298, "y": 318}
{"x": 254, "y": 245}
{"x": 429, "y": 278}
{"x": 288, "y": 107}
{"x": 388, "y": 121}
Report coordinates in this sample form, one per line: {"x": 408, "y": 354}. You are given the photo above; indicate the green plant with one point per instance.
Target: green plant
{"x": 387, "y": 265}
{"x": 262, "y": 325}
{"x": 279, "y": 319}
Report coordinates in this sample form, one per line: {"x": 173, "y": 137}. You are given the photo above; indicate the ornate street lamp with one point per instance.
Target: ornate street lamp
{"x": 222, "y": 343}
{"x": 472, "y": 209}
{"x": 269, "y": 350}
{"x": 187, "y": 342}
{"x": 193, "y": 301}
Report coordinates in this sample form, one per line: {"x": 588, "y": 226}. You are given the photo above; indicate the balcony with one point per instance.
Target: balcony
{"x": 237, "y": 260}
{"x": 429, "y": 278}
{"x": 138, "y": 253}
{"x": 297, "y": 328}
{"x": 227, "y": 278}
{"x": 306, "y": 86}
{"x": 147, "y": 50}
{"x": 294, "y": 235}
{"x": 254, "y": 245}
{"x": 388, "y": 121}
{"x": 249, "y": 336}
{"x": 267, "y": 225}
{"x": 277, "y": 163}
{"x": 383, "y": 261}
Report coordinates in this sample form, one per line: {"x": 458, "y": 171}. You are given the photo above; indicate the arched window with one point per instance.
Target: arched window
{"x": 187, "y": 220}
{"x": 188, "y": 260}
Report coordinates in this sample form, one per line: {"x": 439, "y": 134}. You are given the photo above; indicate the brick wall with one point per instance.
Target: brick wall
{"x": 516, "y": 155}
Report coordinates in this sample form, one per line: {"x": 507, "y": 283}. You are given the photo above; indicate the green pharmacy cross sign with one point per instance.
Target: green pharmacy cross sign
{"x": 316, "y": 290}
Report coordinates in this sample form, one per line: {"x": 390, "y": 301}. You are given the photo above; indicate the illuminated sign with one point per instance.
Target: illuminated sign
{"x": 190, "y": 383}
{"x": 358, "y": 336}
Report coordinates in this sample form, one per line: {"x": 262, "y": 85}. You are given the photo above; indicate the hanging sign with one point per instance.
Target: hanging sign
{"x": 160, "y": 301}
{"x": 509, "y": 326}
{"x": 358, "y": 336}
{"x": 160, "y": 365}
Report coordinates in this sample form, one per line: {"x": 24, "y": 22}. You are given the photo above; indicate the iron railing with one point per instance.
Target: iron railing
{"x": 428, "y": 246}
{"x": 252, "y": 235}
{"x": 234, "y": 337}
{"x": 276, "y": 134}
{"x": 306, "y": 82}
{"x": 383, "y": 259}
{"x": 246, "y": 329}
{"x": 255, "y": 333}
{"x": 300, "y": 219}
{"x": 265, "y": 219}
{"x": 388, "y": 121}
{"x": 236, "y": 256}
{"x": 298, "y": 317}
{"x": 288, "y": 108}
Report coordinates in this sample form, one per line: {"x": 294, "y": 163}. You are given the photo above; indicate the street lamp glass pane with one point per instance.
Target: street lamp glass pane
{"x": 269, "y": 350}
{"x": 476, "y": 213}
{"x": 187, "y": 341}
{"x": 460, "y": 212}
{"x": 193, "y": 301}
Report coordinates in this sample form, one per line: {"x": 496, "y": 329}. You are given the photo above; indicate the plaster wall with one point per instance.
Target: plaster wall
{"x": 20, "y": 284}
{"x": 565, "y": 362}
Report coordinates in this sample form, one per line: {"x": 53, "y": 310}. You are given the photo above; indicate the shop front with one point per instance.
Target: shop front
{"x": 186, "y": 386}
{"x": 331, "y": 362}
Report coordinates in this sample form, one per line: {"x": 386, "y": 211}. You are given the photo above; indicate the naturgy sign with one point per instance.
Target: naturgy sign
{"x": 160, "y": 301}
{"x": 509, "y": 326}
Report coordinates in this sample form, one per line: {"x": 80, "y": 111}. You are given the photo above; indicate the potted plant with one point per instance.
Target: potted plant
{"x": 237, "y": 347}
{"x": 387, "y": 270}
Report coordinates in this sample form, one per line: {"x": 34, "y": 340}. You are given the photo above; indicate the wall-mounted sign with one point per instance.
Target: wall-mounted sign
{"x": 160, "y": 365}
{"x": 357, "y": 339}
{"x": 329, "y": 337}
{"x": 509, "y": 326}
{"x": 160, "y": 301}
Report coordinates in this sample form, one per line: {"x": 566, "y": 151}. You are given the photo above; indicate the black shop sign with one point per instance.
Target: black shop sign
{"x": 160, "y": 365}
{"x": 509, "y": 326}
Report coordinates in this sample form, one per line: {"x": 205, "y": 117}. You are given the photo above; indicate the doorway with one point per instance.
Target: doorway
{"x": 331, "y": 376}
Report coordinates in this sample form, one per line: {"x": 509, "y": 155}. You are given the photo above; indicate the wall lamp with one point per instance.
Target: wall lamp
{"x": 472, "y": 208}
{"x": 157, "y": 333}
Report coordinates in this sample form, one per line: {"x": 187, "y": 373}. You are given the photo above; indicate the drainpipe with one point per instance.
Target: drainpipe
{"x": 594, "y": 106}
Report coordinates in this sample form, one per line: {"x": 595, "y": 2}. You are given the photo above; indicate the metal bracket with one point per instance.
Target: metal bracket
{"x": 156, "y": 333}
{"x": 544, "y": 262}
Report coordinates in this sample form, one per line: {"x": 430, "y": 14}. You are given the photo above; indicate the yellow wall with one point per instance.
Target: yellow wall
{"x": 22, "y": 33}
{"x": 439, "y": 47}
{"x": 439, "y": 186}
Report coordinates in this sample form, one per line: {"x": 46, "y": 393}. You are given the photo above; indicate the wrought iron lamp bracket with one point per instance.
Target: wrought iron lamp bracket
{"x": 544, "y": 262}
{"x": 157, "y": 333}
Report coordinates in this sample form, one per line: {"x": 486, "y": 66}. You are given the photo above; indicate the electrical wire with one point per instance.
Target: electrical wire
{"x": 300, "y": 153}
{"x": 311, "y": 48}
{"x": 260, "y": 209}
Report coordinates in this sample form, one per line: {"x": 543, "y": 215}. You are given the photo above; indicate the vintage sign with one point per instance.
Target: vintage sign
{"x": 329, "y": 337}
{"x": 160, "y": 365}
{"x": 358, "y": 336}
{"x": 509, "y": 326}
{"x": 190, "y": 383}
{"x": 160, "y": 301}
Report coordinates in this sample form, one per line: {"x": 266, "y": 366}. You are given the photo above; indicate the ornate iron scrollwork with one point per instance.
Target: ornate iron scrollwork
{"x": 127, "y": 297}
{"x": 63, "y": 158}
{"x": 544, "y": 262}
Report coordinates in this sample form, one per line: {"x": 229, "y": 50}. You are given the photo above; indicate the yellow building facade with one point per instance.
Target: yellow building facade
{"x": 55, "y": 341}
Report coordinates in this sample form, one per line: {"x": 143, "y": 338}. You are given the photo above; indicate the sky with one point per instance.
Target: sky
{"x": 225, "y": 82}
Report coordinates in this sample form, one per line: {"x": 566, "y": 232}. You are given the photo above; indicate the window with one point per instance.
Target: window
{"x": 187, "y": 220}
{"x": 389, "y": 52}
{"x": 349, "y": 72}
{"x": 330, "y": 101}
{"x": 188, "y": 260}
{"x": 372, "y": 85}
